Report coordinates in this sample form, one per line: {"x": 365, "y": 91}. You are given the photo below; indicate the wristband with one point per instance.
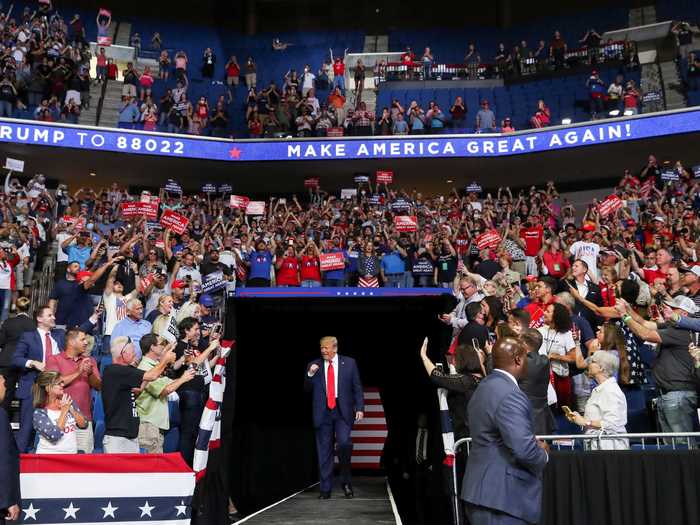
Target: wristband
{"x": 626, "y": 318}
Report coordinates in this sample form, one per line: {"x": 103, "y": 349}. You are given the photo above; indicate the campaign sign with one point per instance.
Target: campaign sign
{"x": 332, "y": 261}
{"x": 646, "y": 187}
{"x": 422, "y": 267}
{"x": 14, "y": 164}
{"x": 239, "y": 202}
{"x": 213, "y": 282}
{"x": 149, "y": 209}
{"x": 68, "y": 219}
{"x": 173, "y": 186}
{"x": 400, "y": 205}
{"x": 474, "y": 188}
{"x": 611, "y": 204}
{"x": 311, "y": 183}
{"x": 489, "y": 239}
{"x": 146, "y": 282}
{"x": 670, "y": 175}
{"x": 225, "y": 188}
{"x": 174, "y": 221}
{"x": 208, "y": 188}
{"x": 405, "y": 223}
{"x": 129, "y": 209}
{"x": 361, "y": 179}
{"x": 255, "y": 208}
{"x": 387, "y": 177}
{"x": 696, "y": 171}
{"x": 374, "y": 199}
{"x": 348, "y": 193}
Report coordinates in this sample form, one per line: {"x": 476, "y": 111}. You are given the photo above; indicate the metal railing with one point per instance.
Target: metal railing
{"x": 41, "y": 287}
{"x": 570, "y": 442}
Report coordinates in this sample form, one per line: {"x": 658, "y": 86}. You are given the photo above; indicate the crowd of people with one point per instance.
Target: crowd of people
{"x": 135, "y": 311}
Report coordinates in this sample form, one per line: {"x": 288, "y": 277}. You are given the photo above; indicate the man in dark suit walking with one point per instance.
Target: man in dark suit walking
{"x": 503, "y": 481}
{"x": 337, "y": 402}
{"x": 33, "y": 349}
{"x": 9, "y": 466}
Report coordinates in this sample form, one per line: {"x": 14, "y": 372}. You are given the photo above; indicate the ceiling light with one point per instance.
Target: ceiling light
{"x": 93, "y": 174}
{"x": 614, "y": 113}
{"x": 628, "y": 112}
{"x": 566, "y": 121}
{"x": 449, "y": 181}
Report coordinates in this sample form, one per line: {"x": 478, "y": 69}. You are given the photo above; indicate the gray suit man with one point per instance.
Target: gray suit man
{"x": 503, "y": 481}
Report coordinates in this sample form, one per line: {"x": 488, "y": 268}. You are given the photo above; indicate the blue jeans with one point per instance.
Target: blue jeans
{"x": 407, "y": 280}
{"x": 334, "y": 283}
{"x": 394, "y": 280}
{"x": 5, "y": 300}
{"x": 339, "y": 81}
{"x": 676, "y": 411}
{"x": 5, "y": 108}
{"x": 308, "y": 283}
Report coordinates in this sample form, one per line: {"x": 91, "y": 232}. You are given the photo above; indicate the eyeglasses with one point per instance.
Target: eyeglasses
{"x": 128, "y": 342}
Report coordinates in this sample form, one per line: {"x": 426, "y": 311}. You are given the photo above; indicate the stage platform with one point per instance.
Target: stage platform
{"x": 370, "y": 506}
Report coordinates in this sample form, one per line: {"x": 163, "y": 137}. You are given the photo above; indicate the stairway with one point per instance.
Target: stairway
{"x": 123, "y": 34}
{"x": 88, "y": 117}
{"x": 373, "y": 44}
{"x": 112, "y": 104}
{"x": 673, "y": 87}
{"x": 651, "y": 83}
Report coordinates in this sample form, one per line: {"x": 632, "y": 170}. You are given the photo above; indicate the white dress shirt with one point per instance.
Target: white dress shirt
{"x": 335, "y": 372}
{"x": 608, "y": 405}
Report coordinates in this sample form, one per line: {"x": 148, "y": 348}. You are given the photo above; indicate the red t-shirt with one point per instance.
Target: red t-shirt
{"x": 462, "y": 242}
{"x": 533, "y": 238}
{"x": 310, "y": 270}
{"x": 288, "y": 273}
{"x": 536, "y": 311}
{"x": 556, "y": 263}
{"x": 233, "y": 70}
{"x": 338, "y": 68}
{"x": 608, "y": 293}
{"x": 651, "y": 275}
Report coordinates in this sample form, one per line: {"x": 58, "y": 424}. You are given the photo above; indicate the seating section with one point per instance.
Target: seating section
{"x": 449, "y": 46}
{"x": 566, "y": 97}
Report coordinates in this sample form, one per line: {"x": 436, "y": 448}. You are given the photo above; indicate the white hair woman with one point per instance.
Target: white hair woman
{"x": 606, "y": 409}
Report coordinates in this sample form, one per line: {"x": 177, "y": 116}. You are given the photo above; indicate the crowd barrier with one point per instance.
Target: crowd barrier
{"x": 579, "y": 442}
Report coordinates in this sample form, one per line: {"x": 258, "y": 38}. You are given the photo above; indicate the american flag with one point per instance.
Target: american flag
{"x": 369, "y": 434}
{"x": 105, "y": 488}
{"x": 121, "y": 308}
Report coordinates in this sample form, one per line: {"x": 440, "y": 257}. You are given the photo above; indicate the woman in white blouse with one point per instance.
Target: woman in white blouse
{"x": 55, "y": 416}
{"x": 558, "y": 344}
{"x": 606, "y": 409}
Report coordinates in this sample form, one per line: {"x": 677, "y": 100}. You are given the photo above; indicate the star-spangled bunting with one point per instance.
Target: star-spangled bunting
{"x": 234, "y": 153}
{"x": 30, "y": 512}
{"x": 181, "y": 508}
{"x": 109, "y": 510}
{"x": 146, "y": 510}
{"x": 71, "y": 511}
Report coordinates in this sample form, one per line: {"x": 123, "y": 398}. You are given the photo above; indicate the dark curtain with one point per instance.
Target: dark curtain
{"x": 272, "y": 443}
{"x": 622, "y": 488}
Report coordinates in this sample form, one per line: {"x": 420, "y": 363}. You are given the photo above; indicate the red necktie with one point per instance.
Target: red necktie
{"x": 330, "y": 386}
{"x": 47, "y": 344}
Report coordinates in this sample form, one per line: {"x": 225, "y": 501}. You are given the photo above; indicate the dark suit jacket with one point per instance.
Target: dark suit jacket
{"x": 535, "y": 385}
{"x": 10, "y": 332}
{"x": 504, "y": 471}
{"x": 30, "y": 347}
{"x": 349, "y": 395}
{"x": 9, "y": 465}
{"x": 596, "y": 297}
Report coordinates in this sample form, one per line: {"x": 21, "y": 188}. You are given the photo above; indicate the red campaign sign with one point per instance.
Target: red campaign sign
{"x": 129, "y": 209}
{"x": 146, "y": 282}
{"x": 176, "y": 222}
{"x": 69, "y": 219}
{"x": 611, "y": 204}
{"x": 239, "y": 202}
{"x": 489, "y": 239}
{"x": 385, "y": 176}
{"x": 311, "y": 183}
{"x": 80, "y": 224}
{"x": 405, "y": 223}
{"x": 332, "y": 261}
{"x": 255, "y": 208}
{"x": 646, "y": 187}
{"x": 135, "y": 209}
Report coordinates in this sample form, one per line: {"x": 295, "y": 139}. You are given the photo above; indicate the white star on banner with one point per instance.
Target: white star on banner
{"x": 181, "y": 508}
{"x": 30, "y": 512}
{"x": 71, "y": 511}
{"x": 146, "y": 510}
{"x": 109, "y": 510}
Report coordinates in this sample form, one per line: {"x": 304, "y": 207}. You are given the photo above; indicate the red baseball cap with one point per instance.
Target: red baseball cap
{"x": 588, "y": 227}
{"x": 177, "y": 283}
{"x": 84, "y": 274}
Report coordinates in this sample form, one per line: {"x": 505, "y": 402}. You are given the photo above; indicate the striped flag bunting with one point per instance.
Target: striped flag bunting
{"x": 369, "y": 434}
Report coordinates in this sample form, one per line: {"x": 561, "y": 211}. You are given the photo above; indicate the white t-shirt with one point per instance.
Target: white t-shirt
{"x": 308, "y": 80}
{"x": 554, "y": 342}
{"x": 115, "y": 310}
{"x": 68, "y": 444}
{"x": 62, "y": 256}
{"x": 5, "y": 275}
{"x": 587, "y": 252}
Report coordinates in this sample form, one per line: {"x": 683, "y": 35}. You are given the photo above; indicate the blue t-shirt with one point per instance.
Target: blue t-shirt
{"x": 260, "y": 263}
{"x": 79, "y": 255}
{"x": 393, "y": 263}
{"x": 75, "y": 305}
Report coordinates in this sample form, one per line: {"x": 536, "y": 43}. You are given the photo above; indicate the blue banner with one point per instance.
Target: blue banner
{"x": 448, "y": 146}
